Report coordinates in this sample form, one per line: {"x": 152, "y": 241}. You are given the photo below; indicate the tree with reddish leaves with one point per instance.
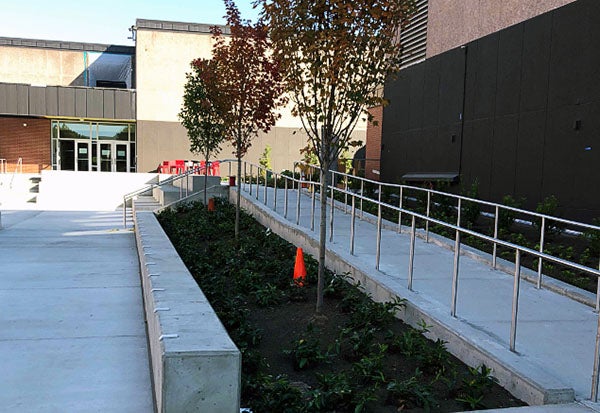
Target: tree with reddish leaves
{"x": 201, "y": 118}
{"x": 335, "y": 56}
{"x": 247, "y": 84}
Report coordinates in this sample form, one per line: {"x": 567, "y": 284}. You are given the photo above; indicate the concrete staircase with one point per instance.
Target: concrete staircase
{"x": 19, "y": 191}
{"x": 94, "y": 191}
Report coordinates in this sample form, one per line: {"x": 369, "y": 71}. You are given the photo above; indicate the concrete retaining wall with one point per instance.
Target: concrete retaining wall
{"x": 196, "y": 367}
{"x": 470, "y": 345}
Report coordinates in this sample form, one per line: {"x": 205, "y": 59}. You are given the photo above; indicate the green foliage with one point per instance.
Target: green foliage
{"x": 548, "y": 206}
{"x": 507, "y": 217}
{"x": 306, "y": 353}
{"x": 412, "y": 392}
{"x": 272, "y": 394}
{"x": 265, "y": 160}
{"x": 475, "y": 386}
{"x": 470, "y": 210}
{"x": 593, "y": 236}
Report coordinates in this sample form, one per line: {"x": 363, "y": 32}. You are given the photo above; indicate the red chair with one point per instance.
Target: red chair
{"x": 179, "y": 166}
{"x": 216, "y": 168}
{"x": 164, "y": 168}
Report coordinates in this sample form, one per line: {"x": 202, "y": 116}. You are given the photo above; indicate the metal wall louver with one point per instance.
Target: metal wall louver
{"x": 413, "y": 37}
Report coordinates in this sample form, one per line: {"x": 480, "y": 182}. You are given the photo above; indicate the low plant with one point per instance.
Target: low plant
{"x": 411, "y": 392}
{"x": 470, "y": 210}
{"x": 475, "y": 386}
{"x": 305, "y": 353}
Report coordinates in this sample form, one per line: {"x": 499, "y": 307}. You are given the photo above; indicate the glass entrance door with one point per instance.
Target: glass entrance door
{"x": 106, "y": 157}
{"x": 113, "y": 157}
{"x": 83, "y": 155}
{"x": 121, "y": 157}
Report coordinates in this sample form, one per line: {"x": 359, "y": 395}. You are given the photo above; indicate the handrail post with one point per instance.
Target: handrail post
{"x": 352, "y": 224}
{"x": 455, "y": 273}
{"x": 428, "y": 210}
{"x": 345, "y": 194}
{"x": 456, "y": 264}
{"x": 285, "y": 197}
{"x": 312, "y": 208}
{"x": 251, "y": 166}
{"x": 400, "y": 212}
{"x": 266, "y": 177}
{"x": 411, "y": 258}
{"x": 258, "y": 171}
{"x": 378, "y": 245}
{"x": 495, "y": 252}
{"x": 539, "y": 278}
{"x": 515, "y": 303}
{"x": 124, "y": 212}
{"x": 275, "y": 191}
{"x": 598, "y": 291}
{"x": 362, "y": 195}
{"x": 596, "y": 372}
{"x": 298, "y": 204}
{"x": 332, "y": 207}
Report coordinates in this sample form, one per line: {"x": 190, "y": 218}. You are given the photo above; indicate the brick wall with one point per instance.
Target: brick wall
{"x": 373, "y": 152}
{"x": 28, "y": 138}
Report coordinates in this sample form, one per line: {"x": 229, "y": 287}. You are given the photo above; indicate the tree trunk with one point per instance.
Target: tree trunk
{"x": 323, "y": 175}
{"x": 239, "y": 195}
{"x": 205, "y": 181}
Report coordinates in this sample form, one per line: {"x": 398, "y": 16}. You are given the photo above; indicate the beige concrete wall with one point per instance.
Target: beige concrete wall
{"x": 39, "y": 66}
{"x": 162, "y": 59}
{"x": 452, "y": 23}
{"x": 168, "y": 140}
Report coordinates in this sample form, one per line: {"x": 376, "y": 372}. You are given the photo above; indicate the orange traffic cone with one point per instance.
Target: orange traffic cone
{"x": 299, "y": 269}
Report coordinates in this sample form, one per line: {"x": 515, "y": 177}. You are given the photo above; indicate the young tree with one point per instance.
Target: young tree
{"x": 249, "y": 83}
{"x": 335, "y": 55}
{"x": 200, "y": 116}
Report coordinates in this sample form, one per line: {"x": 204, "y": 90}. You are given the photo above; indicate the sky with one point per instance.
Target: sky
{"x": 104, "y": 21}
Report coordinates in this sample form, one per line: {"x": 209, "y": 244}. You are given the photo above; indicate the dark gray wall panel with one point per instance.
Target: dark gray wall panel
{"x": 109, "y": 103}
{"x": 451, "y": 87}
{"x": 485, "y": 66}
{"x": 4, "y": 98}
{"x": 529, "y": 157}
{"x": 532, "y": 112}
{"x": 37, "y": 101}
{"x": 477, "y": 155}
{"x": 22, "y": 99}
{"x": 537, "y": 35}
{"x": 504, "y": 154}
{"x": 66, "y": 101}
{"x": 431, "y": 90}
{"x": 95, "y": 100}
{"x": 52, "y": 101}
{"x": 81, "y": 103}
{"x": 123, "y": 105}
{"x": 417, "y": 83}
{"x": 510, "y": 48}
{"x": 574, "y": 61}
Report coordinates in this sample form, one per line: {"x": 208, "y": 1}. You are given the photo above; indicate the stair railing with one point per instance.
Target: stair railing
{"x": 18, "y": 167}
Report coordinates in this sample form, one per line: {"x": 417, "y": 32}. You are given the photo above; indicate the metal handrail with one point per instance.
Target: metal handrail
{"x": 459, "y": 232}
{"x": 18, "y": 167}
{"x": 497, "y": 208}
{"x": 129, "y": 196}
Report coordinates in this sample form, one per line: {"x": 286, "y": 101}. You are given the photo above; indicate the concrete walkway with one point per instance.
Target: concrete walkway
{"x": 555, "y": 335}
{"x": 72, "y": 336}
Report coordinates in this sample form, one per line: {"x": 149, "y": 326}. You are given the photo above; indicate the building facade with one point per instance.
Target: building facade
{"x": 91, "y": 107}
{"x": 508, "y": 102}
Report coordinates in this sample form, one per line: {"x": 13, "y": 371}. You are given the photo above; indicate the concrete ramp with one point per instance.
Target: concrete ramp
{"x": 88, "y": 191}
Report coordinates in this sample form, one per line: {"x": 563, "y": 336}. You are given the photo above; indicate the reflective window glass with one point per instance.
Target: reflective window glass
{"x": 113, "y": 132}
{"x": 74, "y": 130}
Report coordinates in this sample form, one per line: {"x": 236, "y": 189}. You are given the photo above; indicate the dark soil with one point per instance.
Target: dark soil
{"x": 355, "y": 358}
